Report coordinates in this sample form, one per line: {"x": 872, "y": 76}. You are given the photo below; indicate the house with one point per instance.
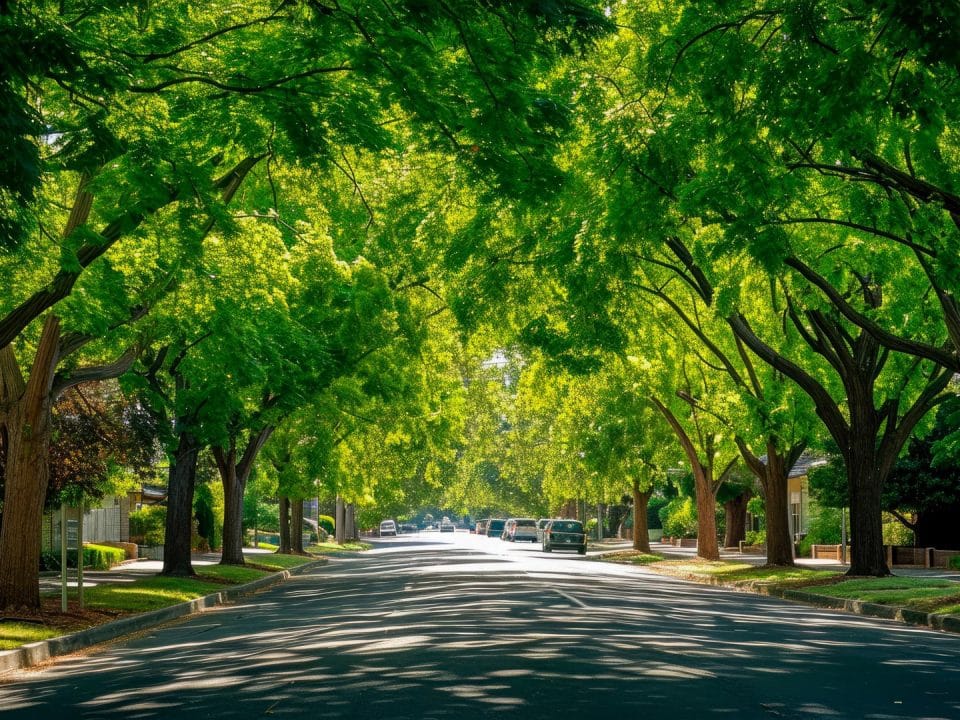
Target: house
{"x": 798, "y": 492}
{"x": 108, "y": 522}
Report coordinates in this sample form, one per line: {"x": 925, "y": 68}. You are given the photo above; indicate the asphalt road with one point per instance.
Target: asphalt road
{"x": 458, "y": 626}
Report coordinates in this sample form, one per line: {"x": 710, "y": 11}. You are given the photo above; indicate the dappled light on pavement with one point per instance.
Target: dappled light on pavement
{"x": 470, "y": 628}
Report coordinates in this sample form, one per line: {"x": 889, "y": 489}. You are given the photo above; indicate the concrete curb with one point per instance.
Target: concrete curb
{"x": 949, "y": 623}
{"x": 39, "y": 652}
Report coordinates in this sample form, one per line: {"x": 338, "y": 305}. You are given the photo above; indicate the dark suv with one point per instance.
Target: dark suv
{"x": 565, "y": 534}
{"x": 495, "y": 527}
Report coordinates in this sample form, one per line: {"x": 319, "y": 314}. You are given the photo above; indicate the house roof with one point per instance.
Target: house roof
{"x": 807, "y": 462}
{"x": 153, "y": 493}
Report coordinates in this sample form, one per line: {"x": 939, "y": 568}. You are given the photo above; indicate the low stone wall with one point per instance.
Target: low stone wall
{"x": 150, "y": 552}
{"x": 907, "y": 556}
{"x": 941, "y": 558}
{"x": 827, "y": 552}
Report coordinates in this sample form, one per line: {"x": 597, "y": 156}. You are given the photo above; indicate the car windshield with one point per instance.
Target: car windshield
{"x": 567, "y": 526}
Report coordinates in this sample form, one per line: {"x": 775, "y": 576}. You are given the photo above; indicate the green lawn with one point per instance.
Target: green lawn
{"x": 154, "y": 592}
{"x": 331, "y": 548}
{"x": 925, "y": 594}
{"x": 15, "y": 634}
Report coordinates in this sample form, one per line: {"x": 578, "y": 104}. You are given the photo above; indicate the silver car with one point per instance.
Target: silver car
{"x": 520, "y": 529}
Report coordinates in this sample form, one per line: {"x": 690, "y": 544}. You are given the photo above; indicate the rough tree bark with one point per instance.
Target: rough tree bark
{"x": 708, "y": 546}
{"x": 284, "y": 525}
{"x": 641, "y": 530}
{"x": 735, "y": 514}
{"x": 234, "y": 476}
{"x": 182, "y": 481}
{"x": 296, "y": 526}
{"x": 869, "y": 438}
{"x": 26, "y": 424}
{"x": 773, "y": 477}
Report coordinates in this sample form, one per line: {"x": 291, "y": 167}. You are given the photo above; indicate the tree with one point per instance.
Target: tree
{"x": 148, "y": 106}
{"x": 726, "y": 155}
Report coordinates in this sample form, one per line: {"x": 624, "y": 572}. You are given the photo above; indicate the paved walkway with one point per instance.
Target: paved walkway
{"x": 127, "y": 572}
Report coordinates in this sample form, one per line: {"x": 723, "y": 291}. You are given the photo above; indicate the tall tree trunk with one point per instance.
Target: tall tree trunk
{"x": 26, "y": 423}
{"x": 340, "y": 522}
{"x": 284, "y": 525}
{"x": 181, "y": 483}
{"x": 735, "y": 512}
{"x": 234, "y": 476}
{"x": 232, "y": 507}
{"x": 867, "y": 556}
{"x": 296, "y": 526}
{"x": 774, "y": 481}
{"x": 708, "y": 547}
{"x": 641, "y": 530}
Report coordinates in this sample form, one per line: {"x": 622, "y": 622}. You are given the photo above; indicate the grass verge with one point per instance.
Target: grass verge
{"x": 108, "y": 601}
{"x": 330, "y": 548}
{"x": 928, "y": 595}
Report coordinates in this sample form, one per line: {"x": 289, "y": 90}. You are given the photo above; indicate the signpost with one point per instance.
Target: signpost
{"x": 71, "y": 539}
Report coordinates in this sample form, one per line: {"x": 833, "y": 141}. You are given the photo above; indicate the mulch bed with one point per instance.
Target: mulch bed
{"x": 74, "y": 619}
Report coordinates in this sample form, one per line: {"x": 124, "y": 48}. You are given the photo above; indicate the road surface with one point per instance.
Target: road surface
{"x": 458, "y": 626}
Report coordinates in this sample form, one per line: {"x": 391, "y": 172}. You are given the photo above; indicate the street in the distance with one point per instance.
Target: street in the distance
{"x": 457, "y": 626}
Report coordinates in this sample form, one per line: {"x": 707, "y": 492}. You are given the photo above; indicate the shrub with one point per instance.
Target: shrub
{"x": 756, "y": 537}
{"x": 679, "y": 518}
{"x": 208, "y": 509}
{"x": 147, "y": 525}
{"x": 895, "y": 532}
{"x": 955, "y": 562}
{"x": 655, "y": 504}
{"x": 824, "y": 528}
{"x": 95, "y": 557}
{"x": 326, "y": 523}
{"x": 102, "y": 557}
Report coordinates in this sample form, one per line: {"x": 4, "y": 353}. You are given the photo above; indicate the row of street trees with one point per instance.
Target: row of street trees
{"x": 195, "y": 193}
{"x": 715, "y": 233}
{"x": 760, "y": 213}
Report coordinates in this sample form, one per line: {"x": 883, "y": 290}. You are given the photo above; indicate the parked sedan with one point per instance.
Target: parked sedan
{"x": 520, "y": 529}
{"x": 565, "y": 534}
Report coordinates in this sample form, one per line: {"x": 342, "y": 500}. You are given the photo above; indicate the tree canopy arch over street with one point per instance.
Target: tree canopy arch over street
{"x": 709, "y": 235}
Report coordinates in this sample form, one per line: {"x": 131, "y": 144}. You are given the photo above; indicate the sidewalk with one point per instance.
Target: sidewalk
{"x": 127, "y": 571}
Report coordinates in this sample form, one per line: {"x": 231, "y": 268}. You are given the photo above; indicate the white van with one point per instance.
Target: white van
{"x": 388, "y": 527}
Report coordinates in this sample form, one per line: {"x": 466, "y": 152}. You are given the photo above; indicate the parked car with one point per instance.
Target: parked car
{"x": 541, "y": 524}
{"x": 520, "y": 529}
{"x": 481, "y": 528}
{"x": 447, "y": 526}
{"x": 408, "y": 528}
{"x": 388, "y": 527}
{"x": 495, "y": 527}
{"x": 565, "y": 534}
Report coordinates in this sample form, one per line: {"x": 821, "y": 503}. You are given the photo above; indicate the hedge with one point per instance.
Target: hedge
{"x": 95, "y": 557}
